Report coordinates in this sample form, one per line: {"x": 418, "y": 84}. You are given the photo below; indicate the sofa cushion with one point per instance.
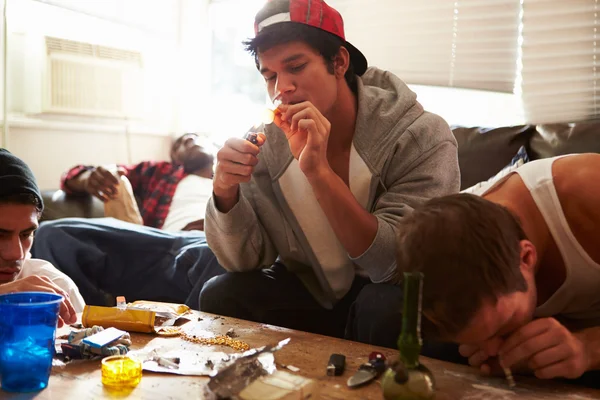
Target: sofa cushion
{"x": 556, "y": 139}
{"x": 519, "y": 159}
{"x": 58, "y": 204}
{"x": 483, "y": 152}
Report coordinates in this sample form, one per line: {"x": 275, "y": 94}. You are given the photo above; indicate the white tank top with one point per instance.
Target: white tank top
{"x": 578, "y": 299}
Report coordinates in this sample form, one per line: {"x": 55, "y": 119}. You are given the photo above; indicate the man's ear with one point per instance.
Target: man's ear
{"x": 528, "y": 256}
{"x": 341, "y": 62}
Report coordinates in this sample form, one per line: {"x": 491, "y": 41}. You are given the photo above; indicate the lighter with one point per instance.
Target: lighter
{"x": 336, "y": 364}
{"x": 252, "y": 137}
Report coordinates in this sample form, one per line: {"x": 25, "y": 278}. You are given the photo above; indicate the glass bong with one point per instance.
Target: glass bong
{"x": 407, "y": 378}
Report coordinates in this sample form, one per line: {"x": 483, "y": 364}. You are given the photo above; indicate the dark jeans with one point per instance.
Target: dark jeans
{"x": 276, "y": 296}
{"x": 369, "y": 313}
{"x": 106, "y": 258}
{"x": 376, "y": 318}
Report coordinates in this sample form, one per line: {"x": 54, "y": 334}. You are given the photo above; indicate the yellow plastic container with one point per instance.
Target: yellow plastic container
{"x": 120, "y": 372}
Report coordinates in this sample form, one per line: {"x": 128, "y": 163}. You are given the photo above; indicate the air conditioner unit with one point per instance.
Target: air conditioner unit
{"x": 91, "y": 80}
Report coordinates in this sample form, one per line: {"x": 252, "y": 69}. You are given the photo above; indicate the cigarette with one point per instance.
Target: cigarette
{"x": 509, "y": 376}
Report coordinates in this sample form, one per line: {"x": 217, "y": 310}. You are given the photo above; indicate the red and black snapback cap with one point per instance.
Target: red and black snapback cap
{"x": 315, "y": 13}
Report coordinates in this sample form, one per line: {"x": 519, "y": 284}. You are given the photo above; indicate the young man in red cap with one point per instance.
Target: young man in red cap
{"x": 305, "y": 219}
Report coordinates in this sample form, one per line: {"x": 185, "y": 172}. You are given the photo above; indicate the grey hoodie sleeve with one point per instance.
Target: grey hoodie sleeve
{"x": 238, "y": 238}
{"x": 424, "y": 166}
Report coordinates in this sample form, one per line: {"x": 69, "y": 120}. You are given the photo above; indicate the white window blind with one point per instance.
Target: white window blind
{"x": 559, "y": 76}
{"x": 464, "y": 43}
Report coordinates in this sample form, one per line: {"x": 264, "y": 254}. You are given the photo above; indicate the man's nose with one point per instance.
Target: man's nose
{"x": 12, "y": 250}
{"x": 491, "y": 346}
{"x": 283, "y": 85}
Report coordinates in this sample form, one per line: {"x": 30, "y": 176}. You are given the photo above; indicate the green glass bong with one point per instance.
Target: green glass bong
{"x": 406, "y": 378}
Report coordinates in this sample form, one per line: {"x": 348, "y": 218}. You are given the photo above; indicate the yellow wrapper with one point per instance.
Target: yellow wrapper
{"x": 127, "y": 320}
{"x": 160, "y": 307}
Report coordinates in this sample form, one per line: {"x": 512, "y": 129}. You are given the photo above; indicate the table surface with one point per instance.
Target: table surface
{"x": 309, "y": 353}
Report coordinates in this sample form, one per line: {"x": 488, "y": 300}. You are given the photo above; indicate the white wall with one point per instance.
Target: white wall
{"x": 49, "y": 153}
{"x": 2, "y": 91}
{"x": 172, "y": 35}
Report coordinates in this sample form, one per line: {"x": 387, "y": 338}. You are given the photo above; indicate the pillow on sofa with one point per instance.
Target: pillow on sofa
{"x": 556, "y": 139}
{"x": 482, "y": 152}
{"x": 519, "y": 159}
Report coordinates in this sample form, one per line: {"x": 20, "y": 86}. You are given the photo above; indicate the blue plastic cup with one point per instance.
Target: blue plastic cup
{"x": 28, "y": 323}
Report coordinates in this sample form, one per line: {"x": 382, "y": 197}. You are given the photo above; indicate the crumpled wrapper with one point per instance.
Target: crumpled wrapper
{"x": 231, "y": 372}
{"x": 253, "y": 364}
{"x": 181, "y": 358}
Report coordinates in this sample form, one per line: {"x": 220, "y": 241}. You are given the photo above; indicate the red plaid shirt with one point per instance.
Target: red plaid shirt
{"x": 153, "y": 184}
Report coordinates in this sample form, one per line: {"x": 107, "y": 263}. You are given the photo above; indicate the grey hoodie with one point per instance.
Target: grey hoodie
{"x": 411, "y": 156}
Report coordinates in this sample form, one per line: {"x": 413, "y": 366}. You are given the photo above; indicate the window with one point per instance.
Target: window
{"x": 460, "y": 57}
{"x": 467, "y": 44}
{"x": 560, "y": 60}
{"x": 238, "y": 92}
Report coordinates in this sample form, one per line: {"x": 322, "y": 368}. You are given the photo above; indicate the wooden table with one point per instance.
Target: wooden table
{"x": 308, "y": 352}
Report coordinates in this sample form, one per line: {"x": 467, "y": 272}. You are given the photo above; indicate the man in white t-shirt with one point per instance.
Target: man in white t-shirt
{"x": 20, "y": 208}
{"x": 35, "y": 267}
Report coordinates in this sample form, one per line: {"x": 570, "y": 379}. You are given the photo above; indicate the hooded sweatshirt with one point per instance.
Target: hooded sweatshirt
{"x": 401, "y": 156}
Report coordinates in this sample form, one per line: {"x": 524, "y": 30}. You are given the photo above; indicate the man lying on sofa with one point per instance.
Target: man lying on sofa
{"x": 514, "y": 275}
{"x": 172, "y": 194}
{"x": 107, "y": 257}
{"x": 20, "y": 207}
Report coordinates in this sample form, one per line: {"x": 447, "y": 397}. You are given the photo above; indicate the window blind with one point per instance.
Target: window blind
{"x": 464, "y": 43}
{"x": 559, "y": 56}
